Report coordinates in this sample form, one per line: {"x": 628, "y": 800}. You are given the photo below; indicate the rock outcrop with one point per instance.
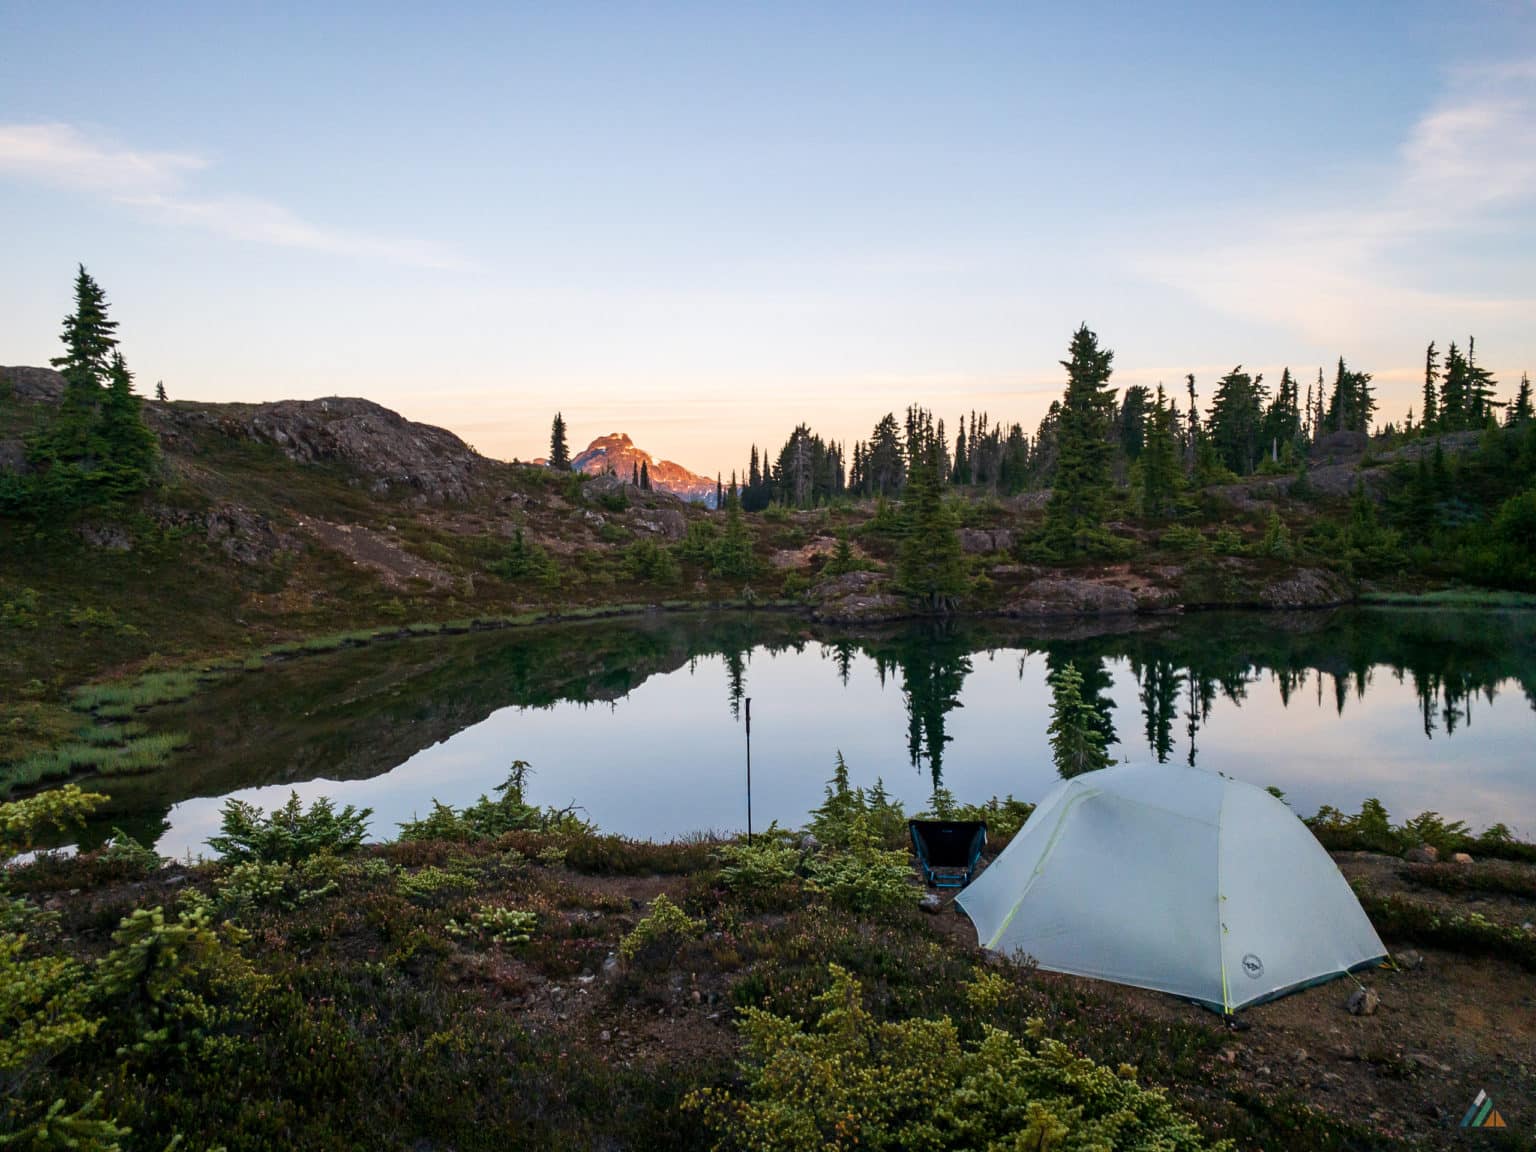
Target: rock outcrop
{"x": 1070, "y": 596}
{"x": 389, "y": 451}
{"x": 36, "y": 385}
{"x": 855, "y": 598}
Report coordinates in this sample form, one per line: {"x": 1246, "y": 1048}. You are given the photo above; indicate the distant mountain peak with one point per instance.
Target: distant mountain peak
{"x": 618, "y": 451}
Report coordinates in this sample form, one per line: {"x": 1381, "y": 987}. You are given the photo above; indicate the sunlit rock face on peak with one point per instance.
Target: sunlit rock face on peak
{"x": 617, "y": 451}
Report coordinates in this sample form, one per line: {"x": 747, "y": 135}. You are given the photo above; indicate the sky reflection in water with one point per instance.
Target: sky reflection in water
{"x": 669, "y": 757}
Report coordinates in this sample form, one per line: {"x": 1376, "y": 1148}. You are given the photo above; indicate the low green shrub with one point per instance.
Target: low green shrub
{"x": 853, "y": 1082}
{"x": 832, "y": 821}
{"x": 1182, "y": 538}
{"x": 290, "y": 834}
{"x": 862, "y": 876}
{"x": 663, "y": 929}
{"x": 122, "y": 849}
{"x": 647, "y": 562}
{"x": 1396, "y": 918}
{"x": 1500, "y": 880}
{"x": 501, "y": 925}
{"x": 267, "y": 884}
{"x": 764, "y": 873}
{"x": 430, "y": 882}
{"x": 525, "y": 562}
{"x": 1371, "y": 830}
{"x": 24, "y": 822}
{"x": 487, "y": 819}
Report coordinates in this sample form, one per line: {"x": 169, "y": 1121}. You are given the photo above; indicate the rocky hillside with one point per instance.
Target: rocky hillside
{"x": 618, "y": 451}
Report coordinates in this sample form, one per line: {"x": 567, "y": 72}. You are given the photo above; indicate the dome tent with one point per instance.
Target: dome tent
{"x": 1175, "y": 879}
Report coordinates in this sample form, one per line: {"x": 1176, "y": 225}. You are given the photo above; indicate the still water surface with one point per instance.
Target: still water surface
{"x": 641, "y": 723}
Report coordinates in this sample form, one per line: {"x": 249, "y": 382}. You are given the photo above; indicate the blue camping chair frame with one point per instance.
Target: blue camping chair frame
{"x": 947, "y": 850}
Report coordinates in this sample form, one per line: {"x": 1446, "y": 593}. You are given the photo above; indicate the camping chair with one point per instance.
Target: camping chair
{"x": 947, "y": 850}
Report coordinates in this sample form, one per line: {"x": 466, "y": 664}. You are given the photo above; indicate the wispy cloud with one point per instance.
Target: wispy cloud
{"x": 163, "y": 184}
{"x": 1467, "y": 165}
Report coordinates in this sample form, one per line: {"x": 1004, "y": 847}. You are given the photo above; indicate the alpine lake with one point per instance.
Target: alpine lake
{"x": 640, "y": 722}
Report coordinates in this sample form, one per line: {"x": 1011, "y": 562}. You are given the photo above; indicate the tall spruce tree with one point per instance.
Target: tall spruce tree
{"x": 1351, "y": 404}
{"x": 559, "y": 451}
{"x": 645, "y": 476}
{"x": 1282, "y": 421}
{"x": 1079, "y": 489}
{"x": 89, "y": 338}
{"x": 1480, "y": 389}
{"x": 1429, "y": 408}
{"x": 1235, "y": 422}
{"x": 1454, "y": 382}
{"x": 931, "y": 567}
{"x": 1161, "y": 474}
{"x": 128, "y": 448}
{"x": 1133, "y": 420}
{"x": 1520, "y": 411}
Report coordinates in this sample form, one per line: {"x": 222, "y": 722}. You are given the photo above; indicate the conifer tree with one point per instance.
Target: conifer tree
{"x": 1077, "y": 739}
{"x": 1083, "y": 450}
{"x": 1520, "y": 411}
{"x": 1351, "y": 405}
{"x": 1480, "y": 389}
{"x": 1235, "y": 421}
{"x": 1453, "y": 391}
{"x": 1430, "y": 408}
{"x": 89, "y": 340}
{"x": 1161, "y": 475}
{"x": 733, "y": 557}
{"x": 645, "y": 476}
{"x": 1282, "y": 422}
{"x": 960, "y": 474}
{"x": 720, "y": 490}
{"x": 559, "y": 451}
{"x": 1133, "y": 421}
{"x": 128, "y": 447}
{"x": 885, "y": 468}
{"x": 931, "y": 566}
{"x": 160, "y": 391}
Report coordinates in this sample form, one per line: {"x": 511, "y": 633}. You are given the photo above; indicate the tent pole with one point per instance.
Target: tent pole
{"x": 749, "y": 770}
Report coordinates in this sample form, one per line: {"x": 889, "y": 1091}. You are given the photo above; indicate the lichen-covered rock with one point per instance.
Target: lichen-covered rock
{"x": 1070, "y": 596}
{"x": 980, "y": 541}
{"x": 857, "y": 597}
{"x": 667, "y": 522}
{"x": 1304, "y": 588}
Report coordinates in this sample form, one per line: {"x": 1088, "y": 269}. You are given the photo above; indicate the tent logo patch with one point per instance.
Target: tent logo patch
{"x": 1253, "y": 966}
{"x": 1482, "y": 1114}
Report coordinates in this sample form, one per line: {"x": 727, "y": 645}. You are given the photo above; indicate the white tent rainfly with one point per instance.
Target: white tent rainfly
{"x": 1176, "y": 879}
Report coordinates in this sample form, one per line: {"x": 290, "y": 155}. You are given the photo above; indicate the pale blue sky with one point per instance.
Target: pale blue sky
{"x": 704, "y": 223}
